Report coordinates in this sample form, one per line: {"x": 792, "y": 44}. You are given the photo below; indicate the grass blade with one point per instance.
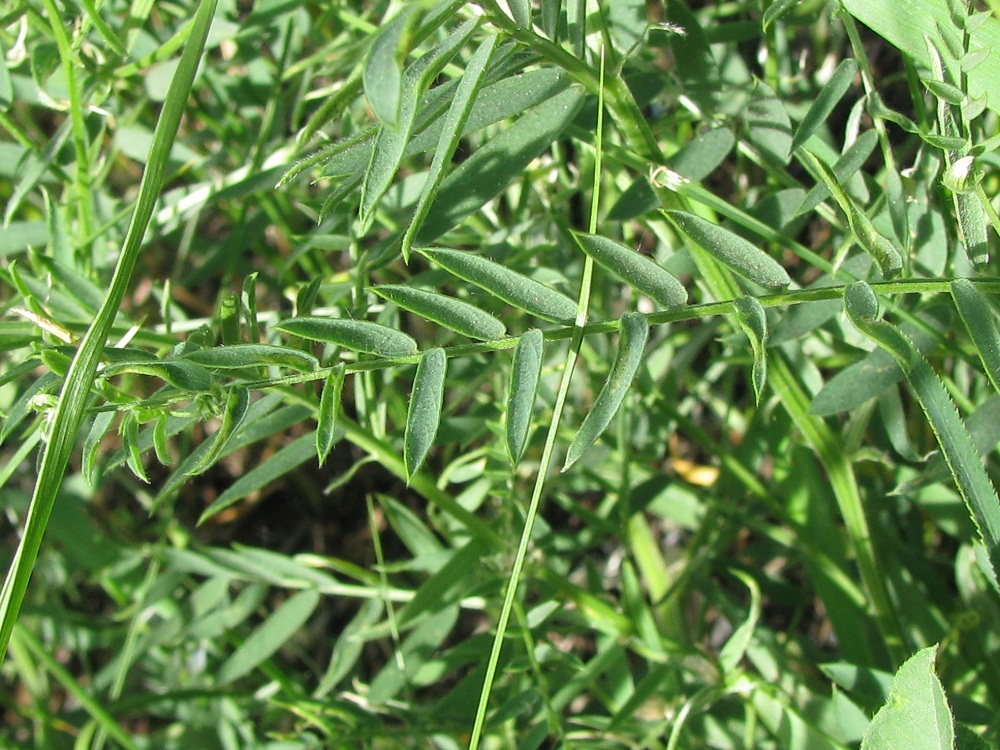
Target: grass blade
{"x": 452, "y": 313}
{"x": 451, "y": 132}
{"x": 273, "y": 633}
{"x": 356, "y": 335}
{"x": 329, "y": 405}
{"x": 638, "y": 271}
{"x": 513, "y": 288}
{"x": 424, "y": 413}
{"x": 741, "y": 256}
{"x": 524, "y": 376}
{"x": 634, "y": 332}
{"x": 69, "y": 412}
{"x": 956, "y": 444}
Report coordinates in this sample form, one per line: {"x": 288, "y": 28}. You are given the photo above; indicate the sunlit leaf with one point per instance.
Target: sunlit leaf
{"x": 631, "y": 344}
{"x": 825, "y": 102}
{"x": 452, "y": 313}
{"x": 753, "y": 321}
{"x": 239, "y": 356}
{"x": 512, "y": 287}
{"x": 638, "y": 271}
{"x": 740, "y": 255}
{"x": 329, "y": 405}
{"x": 525, "y": 371}
{"x": 424, "y": 414}
{"x": 356, "y": 335}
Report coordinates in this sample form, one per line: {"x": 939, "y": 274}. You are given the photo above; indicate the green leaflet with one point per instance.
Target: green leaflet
{"x": 458, "y": 114}
{"x": 391, "y": 139}
{"x": 825, "y": 102}
{"x": 980, "y": 322}
{"x": 356, "y": 335}
{"x": 880, "y": 248}
{"x": 239, "y": 356}
{"x": 424, "y": 413}
{"x": 513, "y": 288}
{"x": 128, "y": 430}
{"x": 491, "y": 167}
{"x": 273, "y": 633}
{"x": 631, "y": 344}
{"x": 233, "y": 415}
{"x": 732, "y": 250}
{"x": 450, "y": 312}
{"x": 326, "y": 420}
{"x": 916, "y": 714}
{"x": 525, "y": 371}
{"x": 383, "y": 72}
{"x": 638, "y": 271}
{"x": 956, "y": 444}
{"x": 753, "y": 321}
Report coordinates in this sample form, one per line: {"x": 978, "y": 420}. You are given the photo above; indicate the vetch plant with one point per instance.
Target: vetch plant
{"x": 695, "y": 303}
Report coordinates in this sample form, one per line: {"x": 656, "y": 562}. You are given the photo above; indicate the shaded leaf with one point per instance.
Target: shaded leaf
{"x": 513, "y": 288}
{"x": 356, "y": 335}
{"x": 233, "y": 414}
{"x": 740, "y": 255}
{"x": 735, "y": 648}
{"x": 491, "y": 167}
{"x": 825, "y": 102}
{"x": 272, "y": 634}
{"x": 424, "y": 413}
{"x": 452, "y": 313}
{"x": 980, "y": 322}
{"x": 699, "y": 157}
{"x": 753, "y": 321}
{"x": 638, "y": 271}
{"x": 631, "y": 344}
{"x": 383, "y": 72}
{"x": 845, "y": 167}
{"x": 451, "y": 131}
{"x": 524, "y": 376}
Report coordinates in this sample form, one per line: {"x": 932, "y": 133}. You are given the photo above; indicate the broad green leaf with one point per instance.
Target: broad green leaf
{"x": 732, "y": 250}
{"x": 424, "y": 413}
{"x": 512, "y": 287}
{"x": 239, "y": 356}
{"x": 329, "y": 405}
{"x": 823, "y": 105}
{"x": 524, "y": 376}
{"x": 638, "y": 271}
{"x": 916, "y": 715}
{"x": 880, "y": 248}
{"x": 492, "y": 166}
{"x": 383, "y": 72}
{"x": 233, "y": 415}
{"x": 753, "y": 321}
{"x": 980, "y": 322}
{"x": 391, "y": 140}
{"x": 956, "y": 444}
{"x": 356, "y": 335}
{"x": 906, "y": 23}
{"x": 458, "y": 114}
{"x": 281, "y": 463}
{"x": 631, "y": 344}
{"x": 452, "y": 313}
{"x": 74, "y": 397}
{"x": 273, "y": 633}
{"x": 945, "y": 91}
{"x": 520, "y": 11}
{"x": 845, "y": 167}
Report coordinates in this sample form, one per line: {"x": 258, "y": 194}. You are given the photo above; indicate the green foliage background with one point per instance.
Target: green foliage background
{"x": 313, "y": 310}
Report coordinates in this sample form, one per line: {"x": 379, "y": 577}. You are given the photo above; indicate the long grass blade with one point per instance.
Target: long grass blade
{"x": 68, "y": 414}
